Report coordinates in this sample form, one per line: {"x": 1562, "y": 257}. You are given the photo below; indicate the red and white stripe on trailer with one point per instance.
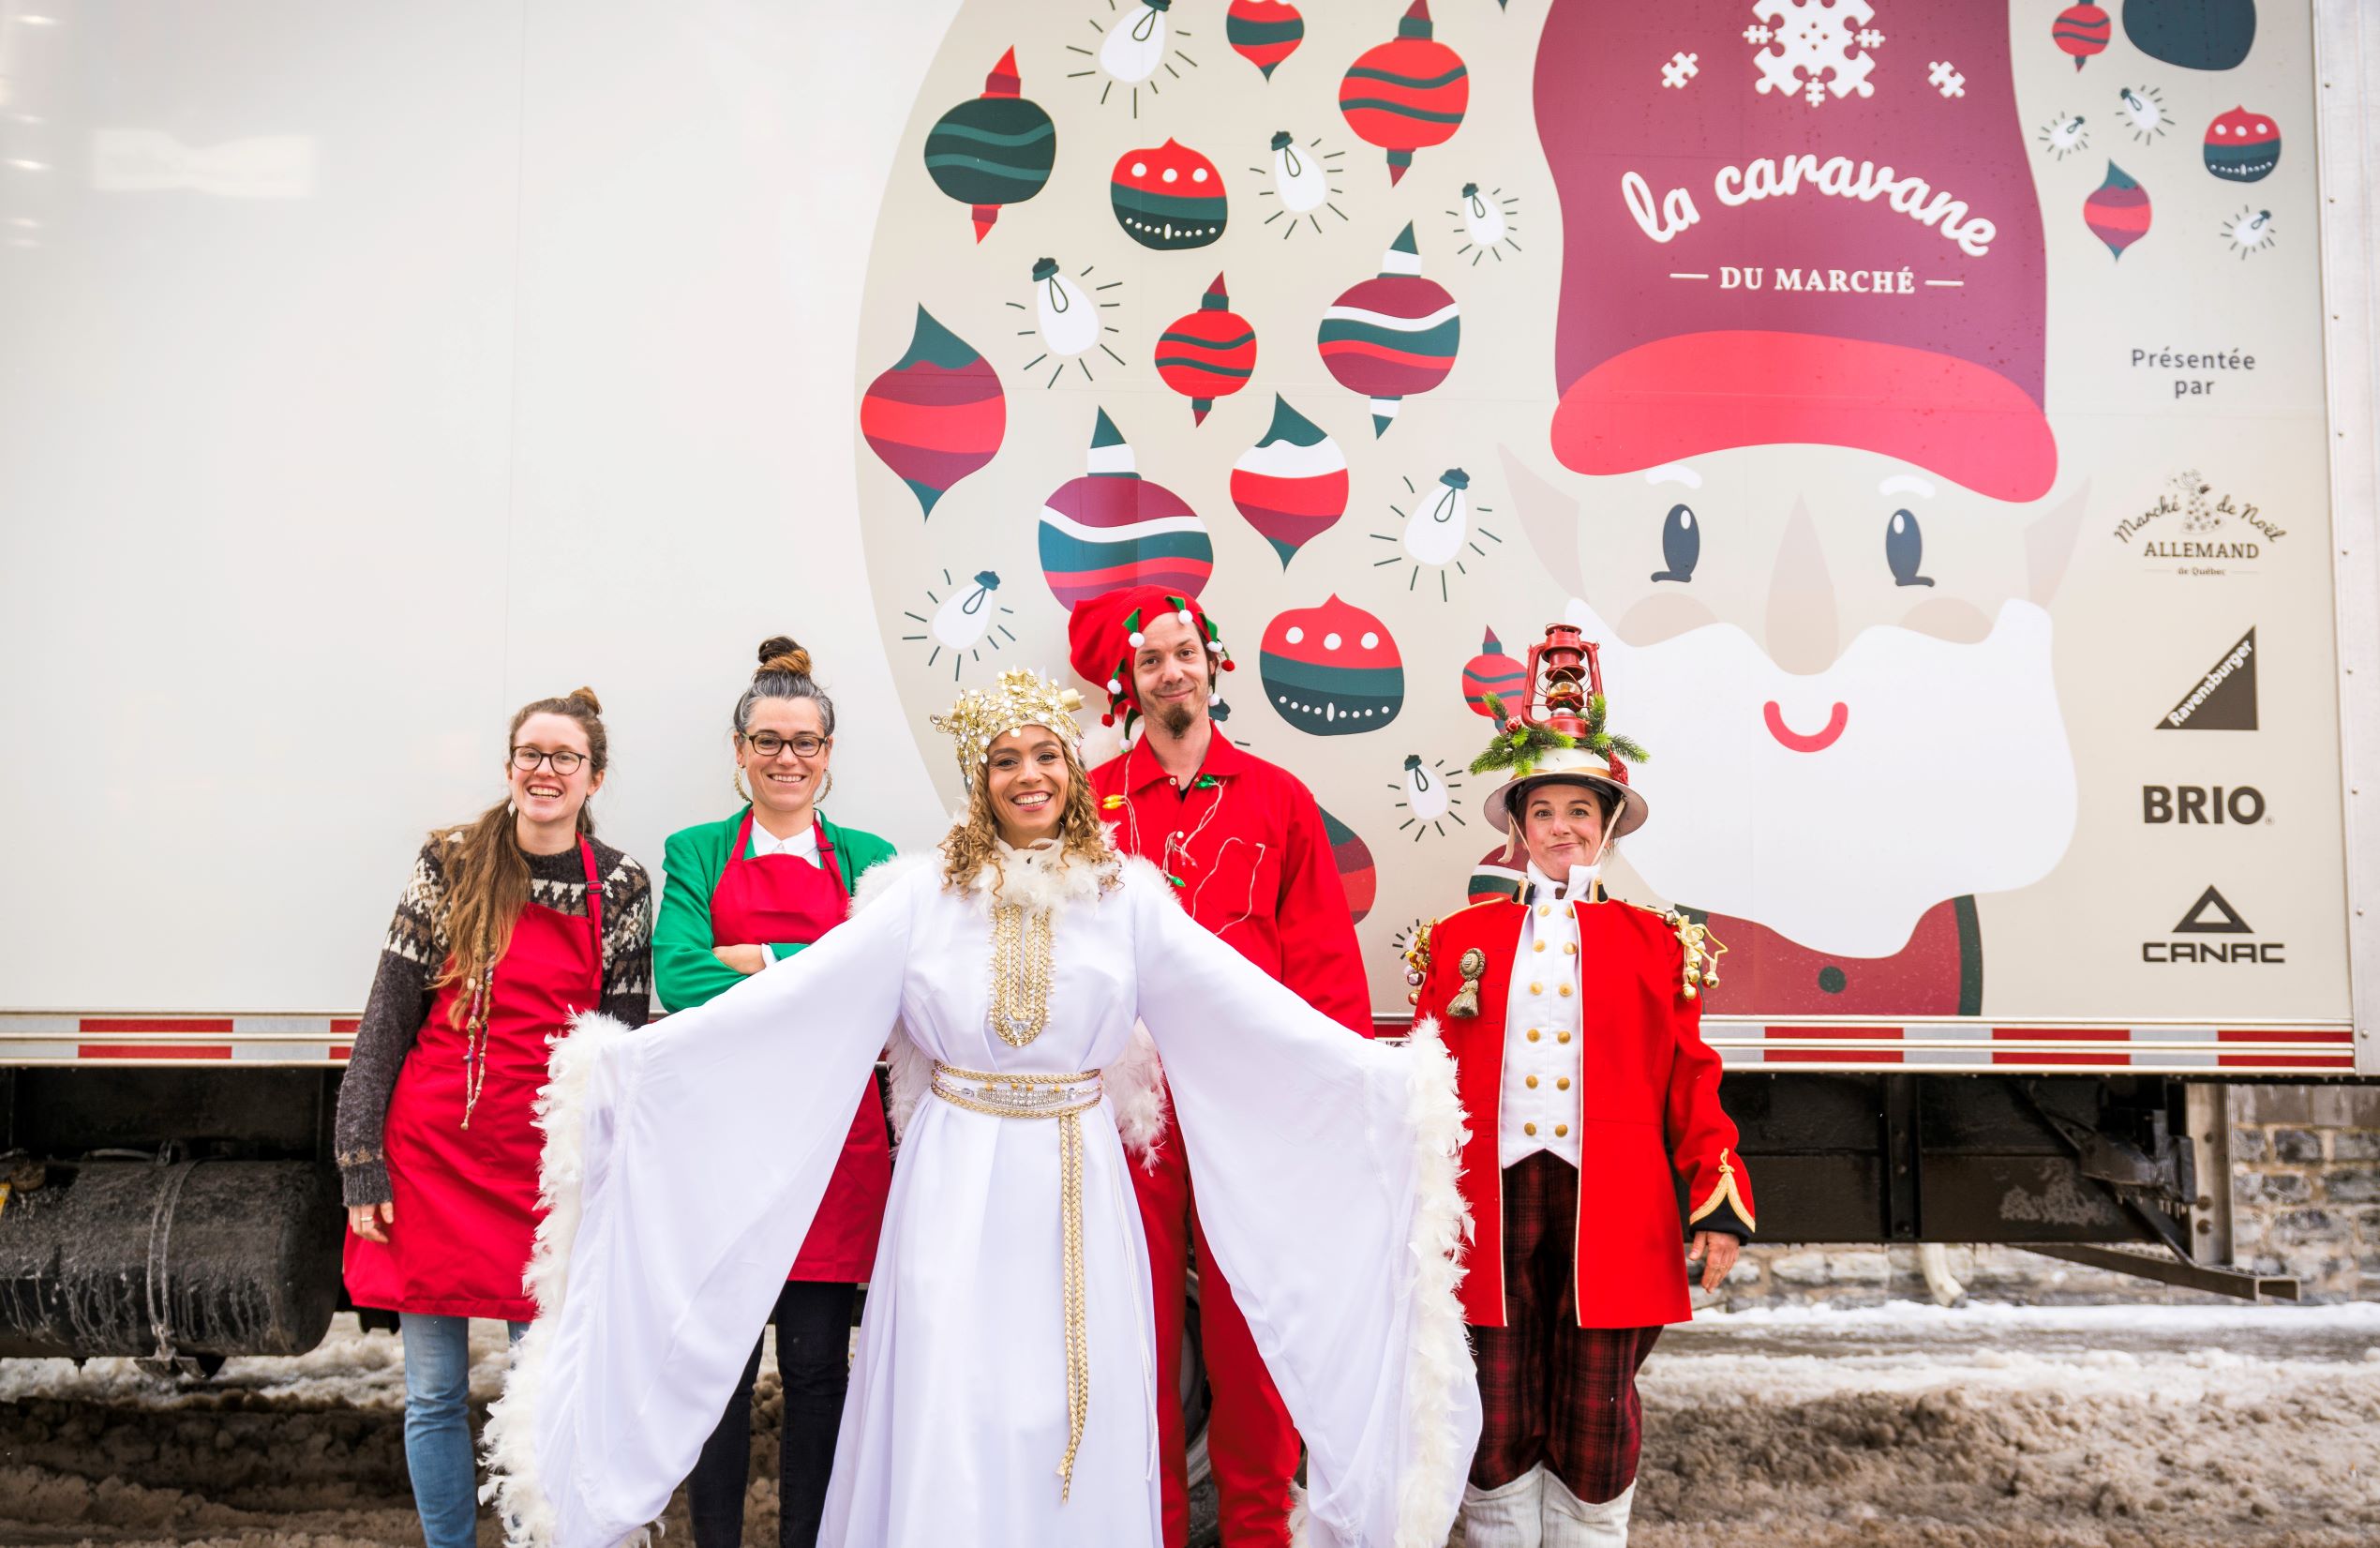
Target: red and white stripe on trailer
{"x": 119, "y": 1039}
{"x": 1974, "y": 1047}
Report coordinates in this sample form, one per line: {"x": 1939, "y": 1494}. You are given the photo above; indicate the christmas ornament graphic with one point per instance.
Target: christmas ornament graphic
{"x": 1292, "y": 485}
{"x": 1264, "y": 31}
{"x": 1331, "y": 670}
{"x": 1392, "y": 336}
{"x": 994, "y": 150}
{"x": 2081, "y": 31}
{"x": 1811, "y": 48}
{"x": 1484, "y": 223}
{"x": 1497, "y": 877}
{"x": 1114, "y": 527}
{"x": 965, "y": 622}
{"x": 2197, "y": 34}
{"x": 1427, "y": 797}
{"x": 1067, "y": 323}
{"x": 1438, "y": 530}
{"x": 1168, "y": 197}
{"x": 1356, "y": 872}
{"x": 1301, "y": 177}
{"x": 2065, "y": 134}
{"x": 2250, "y": 230}
{"x": 2117, "y": 211}
{"x": 2144, "y": 112}
{"x": 1491, "y": 671}
{"x": 937, "y": 414}
{"x": 1408, "y": 93}
{"x": 1134, "y": 45}
{"x": 2242, "y": 146}
{"x": 1208, "y": 353}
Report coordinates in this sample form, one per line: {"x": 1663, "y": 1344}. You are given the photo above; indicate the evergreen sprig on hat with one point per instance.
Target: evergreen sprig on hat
{"x": 1520, "y": 746}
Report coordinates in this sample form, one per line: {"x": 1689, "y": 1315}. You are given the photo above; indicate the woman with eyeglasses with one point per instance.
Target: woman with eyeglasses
{"x": 742, "y": 894}
{"x": 509, "y": 927}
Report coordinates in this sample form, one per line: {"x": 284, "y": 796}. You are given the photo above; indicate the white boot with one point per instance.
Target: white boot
{"x": 1572, "y": 1523}
{"x": 1509, "y": 1516}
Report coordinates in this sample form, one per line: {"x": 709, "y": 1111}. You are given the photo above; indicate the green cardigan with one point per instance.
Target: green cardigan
{"x": 684, "y": 973}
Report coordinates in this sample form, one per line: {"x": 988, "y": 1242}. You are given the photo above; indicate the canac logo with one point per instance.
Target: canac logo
{"x": 2213, "y": 915}
{"x": 2194, "y": 531}
{"x": 2224, "y": 696}
{"x": 2240, "y": 805}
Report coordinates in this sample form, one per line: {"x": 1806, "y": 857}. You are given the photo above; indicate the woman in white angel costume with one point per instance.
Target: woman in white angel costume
{"x": 1004, "y": 1388}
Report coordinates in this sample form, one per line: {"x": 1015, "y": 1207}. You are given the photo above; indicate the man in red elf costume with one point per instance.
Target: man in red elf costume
{"x": 1243, "y": 843}
{"x": 1575, "y": 1023}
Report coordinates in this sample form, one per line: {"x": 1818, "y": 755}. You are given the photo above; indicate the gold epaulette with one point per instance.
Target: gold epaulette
{"x": 1698, "y": 953}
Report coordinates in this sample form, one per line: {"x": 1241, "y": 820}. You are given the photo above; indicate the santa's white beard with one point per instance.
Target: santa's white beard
{"x": 1950, "y": 776}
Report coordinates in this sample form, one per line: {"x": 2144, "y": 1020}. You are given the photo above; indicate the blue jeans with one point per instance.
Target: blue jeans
{"x": 438, "y": 1436}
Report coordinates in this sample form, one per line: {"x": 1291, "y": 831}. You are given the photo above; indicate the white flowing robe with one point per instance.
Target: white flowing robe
{"x": 684, "y": 1164}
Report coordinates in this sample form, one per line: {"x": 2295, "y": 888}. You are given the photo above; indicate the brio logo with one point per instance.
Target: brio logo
{"x": 2210, "y": 803}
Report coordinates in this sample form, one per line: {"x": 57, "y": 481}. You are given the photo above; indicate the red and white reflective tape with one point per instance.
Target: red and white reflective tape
{"x": 120, "y": 1040}
{"x": 1975, "y": 1048}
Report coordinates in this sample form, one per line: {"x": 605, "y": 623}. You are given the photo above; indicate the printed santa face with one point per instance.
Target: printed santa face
{"x": 1802, "y": 483}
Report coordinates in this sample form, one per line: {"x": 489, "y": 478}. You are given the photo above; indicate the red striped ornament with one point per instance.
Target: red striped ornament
{"x": 937, "y": 414}
{"x": 1406, "y": 94}
{"x": 2117, "y": 211}
{"x": 1208, "y": 353}
{"x": 2081, "y": 31}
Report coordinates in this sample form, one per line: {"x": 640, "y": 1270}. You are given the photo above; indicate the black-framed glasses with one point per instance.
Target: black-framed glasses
{"x": 768, "y": 744}
{"x": 565, "y": 763}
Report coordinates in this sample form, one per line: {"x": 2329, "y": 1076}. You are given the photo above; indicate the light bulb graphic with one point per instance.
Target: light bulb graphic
{"x": 1483, "y": 220}
{"x": 965, "y": 622}
{"x": 1426, "y": 794}
{"x": 1298, "y": 176}
{"x": 1068, "y": 322}
{"x": 1134, "y": 46}
{"x": 961, "y": 621}
{"x": 1434, "y": 532}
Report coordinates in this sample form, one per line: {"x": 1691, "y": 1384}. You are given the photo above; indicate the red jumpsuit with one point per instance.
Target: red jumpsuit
{"x": 1246, "y": 849}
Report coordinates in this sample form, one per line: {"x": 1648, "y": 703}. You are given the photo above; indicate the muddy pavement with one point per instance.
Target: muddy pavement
{"x": 1986, "y": 1427}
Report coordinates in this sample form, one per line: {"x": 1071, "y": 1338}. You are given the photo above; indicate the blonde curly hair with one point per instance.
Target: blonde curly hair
{"x": 973, "y": 842}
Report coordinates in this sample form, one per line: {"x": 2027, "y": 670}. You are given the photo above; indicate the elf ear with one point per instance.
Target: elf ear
{"x": 2049, "y": 543}
{"x": 1548, "y": 518}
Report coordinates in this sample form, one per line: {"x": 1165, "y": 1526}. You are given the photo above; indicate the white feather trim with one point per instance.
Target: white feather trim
{"x": 1437, "y": 1461}
{"x": 1135, "y": 1086}
{"x": 510, "y": 1440}
{"x": 1043, "y": 881}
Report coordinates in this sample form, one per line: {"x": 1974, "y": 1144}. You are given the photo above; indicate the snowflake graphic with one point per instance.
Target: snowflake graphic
{"x": 1812, "y": 48}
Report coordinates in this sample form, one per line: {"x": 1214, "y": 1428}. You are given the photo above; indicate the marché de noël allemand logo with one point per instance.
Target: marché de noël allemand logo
{"x": 2193, "y": 528}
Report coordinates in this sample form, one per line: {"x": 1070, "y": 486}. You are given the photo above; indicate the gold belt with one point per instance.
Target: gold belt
{"x": 1065, "y": 1098}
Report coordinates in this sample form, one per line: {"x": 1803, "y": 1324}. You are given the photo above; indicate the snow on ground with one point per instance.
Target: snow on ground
{"x": 1982, "y": 1427}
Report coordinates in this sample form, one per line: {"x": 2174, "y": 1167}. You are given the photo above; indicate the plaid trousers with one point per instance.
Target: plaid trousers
{"x": 1551, "y": 1392}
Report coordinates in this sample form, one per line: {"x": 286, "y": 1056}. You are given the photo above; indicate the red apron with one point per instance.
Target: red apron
{"x": 467, "y": 1198}
{"x": 761, "y": 899}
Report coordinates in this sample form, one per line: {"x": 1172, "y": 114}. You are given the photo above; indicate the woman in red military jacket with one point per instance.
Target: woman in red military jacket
{"x": 1573, "y": 1021}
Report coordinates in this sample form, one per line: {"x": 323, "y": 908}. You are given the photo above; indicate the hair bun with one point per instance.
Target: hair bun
{"x": 586, "y": 696}
{"x": 779, "y": 654}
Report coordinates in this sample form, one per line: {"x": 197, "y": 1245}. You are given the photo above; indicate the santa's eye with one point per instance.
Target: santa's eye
{"x": 1681, "y": 545}
{"x": 1905, "y": 549}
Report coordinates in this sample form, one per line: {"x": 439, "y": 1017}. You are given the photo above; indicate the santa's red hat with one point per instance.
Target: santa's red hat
{"x": 1660, "y": 358}
{"x": 1104, "y": 631}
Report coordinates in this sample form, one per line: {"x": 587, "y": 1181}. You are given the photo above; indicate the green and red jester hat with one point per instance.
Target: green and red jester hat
{"x": 1104, "y": 631}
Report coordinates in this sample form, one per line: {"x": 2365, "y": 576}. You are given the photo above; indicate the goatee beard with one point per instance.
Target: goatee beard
{"x": 1176, "y": 719}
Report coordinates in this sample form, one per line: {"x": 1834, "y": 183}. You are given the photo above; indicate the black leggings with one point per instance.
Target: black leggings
{"x": 814, "y": 1363}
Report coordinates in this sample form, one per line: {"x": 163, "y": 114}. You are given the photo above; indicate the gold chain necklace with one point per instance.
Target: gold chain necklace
{"x": 1021, "y": 957}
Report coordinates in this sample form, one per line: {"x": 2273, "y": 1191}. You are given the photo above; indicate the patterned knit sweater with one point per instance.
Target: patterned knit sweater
{"x": 417, "y": 947}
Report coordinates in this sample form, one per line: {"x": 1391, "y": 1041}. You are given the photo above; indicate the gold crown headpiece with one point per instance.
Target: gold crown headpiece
{"x": 1019, "y": 698}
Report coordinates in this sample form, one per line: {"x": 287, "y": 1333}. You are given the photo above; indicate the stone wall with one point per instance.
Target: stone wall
{"x": 2305, "y": 1201}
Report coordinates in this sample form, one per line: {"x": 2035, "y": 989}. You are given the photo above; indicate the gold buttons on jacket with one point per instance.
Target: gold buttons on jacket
{"x": 1565, "y": 991}
{"x": 1561, "y": 1130}
{"x": 1527, "y": 1128}
{"x": 1538, "y": 947}
{"x": 1533, "y": 1034}
{"x": 1561, "y": 1085}
{"x": 1536, "y": 988}
{"x": 1561, "y": 1037}
{"x": 1570, "y": 948}
{"x": 1544, "y": 909}
{"x": 1530, "y": 1083}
